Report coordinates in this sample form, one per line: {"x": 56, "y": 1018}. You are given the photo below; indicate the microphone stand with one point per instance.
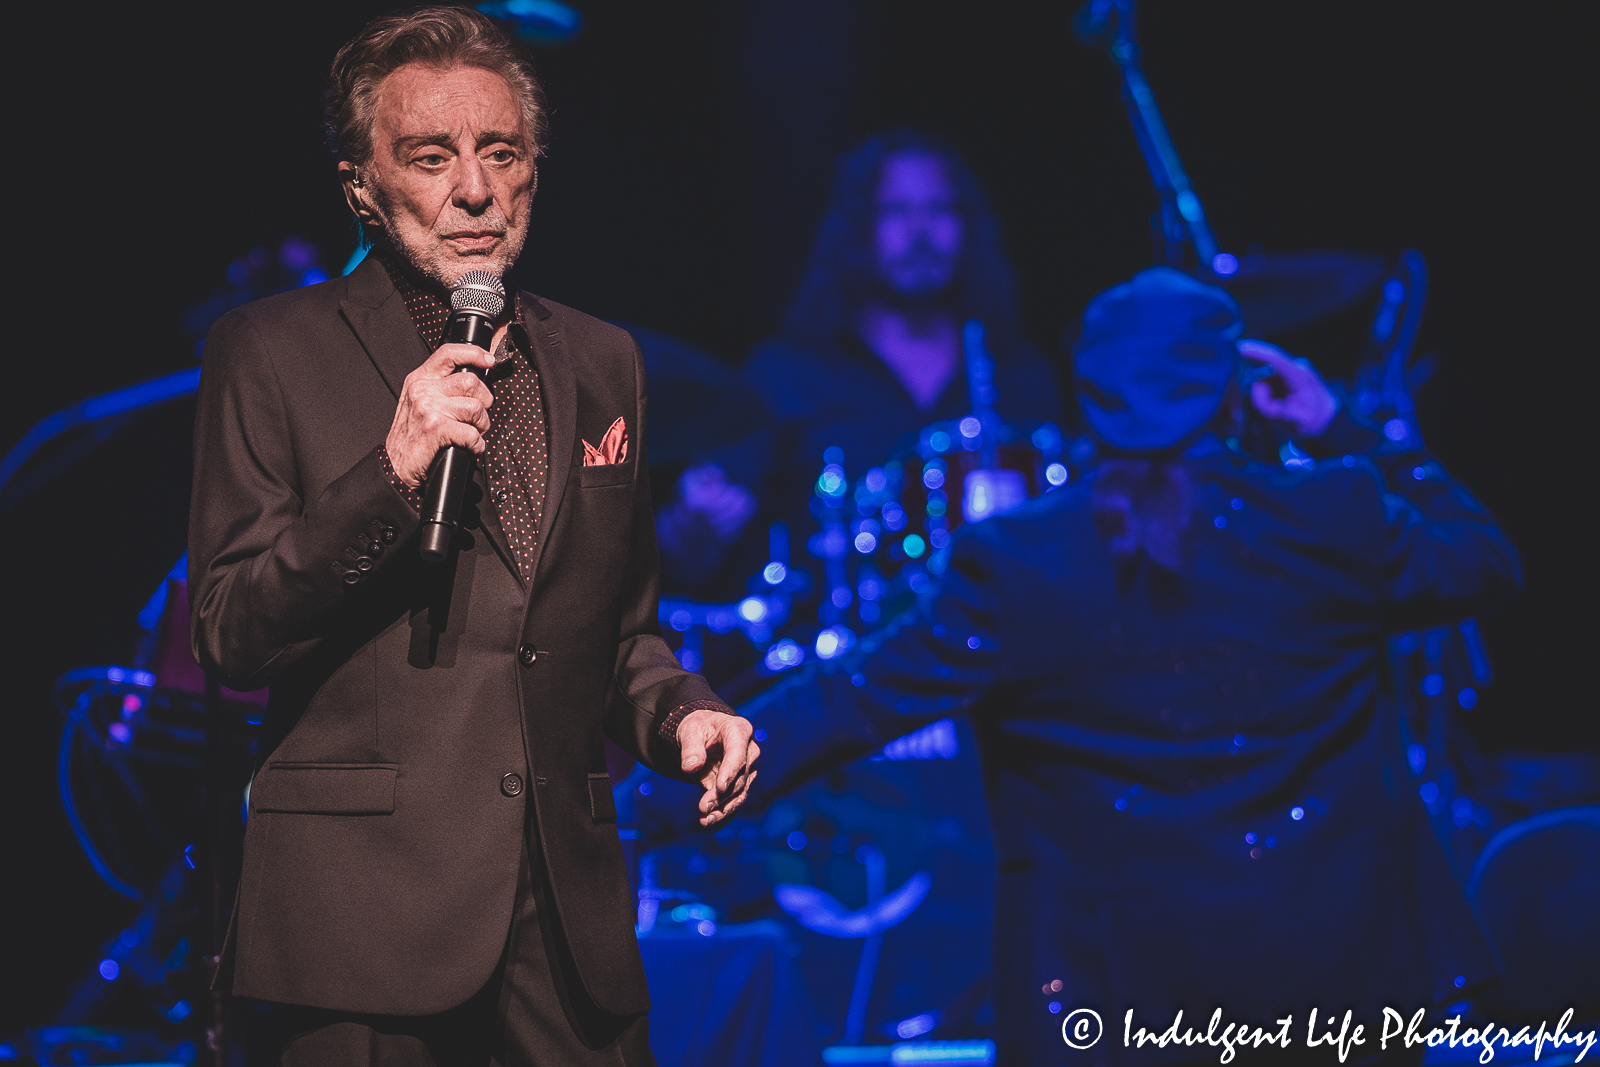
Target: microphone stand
{"x": 1183, "y": 218}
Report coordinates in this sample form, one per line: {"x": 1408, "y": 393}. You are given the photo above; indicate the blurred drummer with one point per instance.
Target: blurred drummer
{"x": 871, "y": 348}
{"x": 1174, "y": 667}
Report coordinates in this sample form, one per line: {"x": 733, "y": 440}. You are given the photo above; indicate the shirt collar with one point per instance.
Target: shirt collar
{"x": 430, "y": 311}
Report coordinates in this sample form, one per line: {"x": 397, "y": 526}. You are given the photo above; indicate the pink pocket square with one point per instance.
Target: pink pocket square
{"x": 613, "y": 447}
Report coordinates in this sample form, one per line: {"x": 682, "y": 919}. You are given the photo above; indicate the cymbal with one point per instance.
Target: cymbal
{"x": 1280, "y": 291}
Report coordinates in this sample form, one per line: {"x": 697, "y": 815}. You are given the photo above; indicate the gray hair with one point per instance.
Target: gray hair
{"x": 442, "y": 36}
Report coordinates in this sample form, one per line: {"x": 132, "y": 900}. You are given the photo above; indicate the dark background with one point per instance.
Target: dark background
{"x": 692, "y": 145}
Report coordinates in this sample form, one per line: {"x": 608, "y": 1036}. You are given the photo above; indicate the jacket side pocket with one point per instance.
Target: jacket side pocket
{"x": 326, "y": 788}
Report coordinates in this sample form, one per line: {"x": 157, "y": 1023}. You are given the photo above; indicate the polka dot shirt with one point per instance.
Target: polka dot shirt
{"x": 516, "y": 462}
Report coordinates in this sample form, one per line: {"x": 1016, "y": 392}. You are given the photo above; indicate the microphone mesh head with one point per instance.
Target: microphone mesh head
{"x": 480, "y": 291}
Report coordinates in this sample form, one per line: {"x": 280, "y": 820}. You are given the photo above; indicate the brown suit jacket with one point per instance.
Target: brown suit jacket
{"x": 380, "y": 859}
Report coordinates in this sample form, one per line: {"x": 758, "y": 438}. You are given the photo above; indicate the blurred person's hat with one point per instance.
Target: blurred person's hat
{"x": 1154, "y": 360}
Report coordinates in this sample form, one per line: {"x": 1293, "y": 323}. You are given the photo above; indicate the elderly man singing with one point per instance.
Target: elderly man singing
{"x": 431, "y": 870}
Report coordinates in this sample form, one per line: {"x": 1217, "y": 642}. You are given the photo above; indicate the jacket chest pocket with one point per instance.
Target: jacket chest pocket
{"x": 606, "y": 474}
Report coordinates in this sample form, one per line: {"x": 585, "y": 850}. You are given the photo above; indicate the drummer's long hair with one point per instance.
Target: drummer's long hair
{"x": 842, "y": 268}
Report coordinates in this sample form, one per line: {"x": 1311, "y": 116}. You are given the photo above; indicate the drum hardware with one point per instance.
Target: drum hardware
{"x": 127, "y": 730}
{"x": 819, "y": 912}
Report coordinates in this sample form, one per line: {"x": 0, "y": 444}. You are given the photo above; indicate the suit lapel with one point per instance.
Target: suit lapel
{"x": 558, "y": 382}
{"x": 379, "y": 319}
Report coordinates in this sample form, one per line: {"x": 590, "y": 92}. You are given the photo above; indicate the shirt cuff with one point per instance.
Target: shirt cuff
{"x": 410, "y": 495}
{"x": 669, "y": 726}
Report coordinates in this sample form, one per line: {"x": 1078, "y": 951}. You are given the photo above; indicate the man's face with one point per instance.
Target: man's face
{"x": 920, "y": 228}
{"x": 451, "y": 175}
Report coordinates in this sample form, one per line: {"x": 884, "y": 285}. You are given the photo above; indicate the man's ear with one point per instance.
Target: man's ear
{"x": 354, "y": 187}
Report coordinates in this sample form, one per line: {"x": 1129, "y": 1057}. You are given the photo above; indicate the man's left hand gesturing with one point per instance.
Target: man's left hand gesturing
{"x": 719, "y": 748}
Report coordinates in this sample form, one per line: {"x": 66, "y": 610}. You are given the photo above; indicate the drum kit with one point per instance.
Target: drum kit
{"x": 154, "y": 754}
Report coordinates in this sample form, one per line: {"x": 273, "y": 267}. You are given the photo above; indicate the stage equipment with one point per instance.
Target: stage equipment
{"x": 1276, "y": 292}
{"x": 103, "y": 413}
{"x": 820, "y": 912}
{"x": 1182, "y": 218}
{"x": 153, "y": 766}
{"x": 542, "y": 22}
{"x": 476, "y": 300}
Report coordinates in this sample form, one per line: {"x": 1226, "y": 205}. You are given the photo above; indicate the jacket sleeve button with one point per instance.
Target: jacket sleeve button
{"x": 389, "y": 535}
{"x": 352, "y": 577}
{"x": 364, "y": 563}
{"x": 511, "y": 785}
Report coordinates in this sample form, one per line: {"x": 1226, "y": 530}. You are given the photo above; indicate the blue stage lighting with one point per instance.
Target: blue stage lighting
{"x": 783, "y": 655}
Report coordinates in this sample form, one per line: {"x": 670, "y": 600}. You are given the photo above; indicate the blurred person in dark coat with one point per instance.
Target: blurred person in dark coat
{"x": 1174, "y": 669}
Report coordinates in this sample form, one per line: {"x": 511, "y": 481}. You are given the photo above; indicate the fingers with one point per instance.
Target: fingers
{"x": 732, "y": 742}
{"x": 457, "y": 417}
{"x": 715, "y": 811}
{"x": 447, "y": 359}
{"x": 465, "y": 410}
{"x": 721, "y": 748}
{"x": 469, "y": 385}
{"x": 1272, "y": 355}
{"x": 738, "y": 757}
{"x": 1295, "y": 394}
{"x": 1273, "y": 407}
{"x": 692, "y": 745}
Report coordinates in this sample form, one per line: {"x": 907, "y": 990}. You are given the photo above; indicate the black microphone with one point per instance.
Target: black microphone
{"x": 476, "y": 302}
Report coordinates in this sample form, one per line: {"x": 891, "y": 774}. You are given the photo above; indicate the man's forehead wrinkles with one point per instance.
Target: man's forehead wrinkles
{"x": 406, "y": 142}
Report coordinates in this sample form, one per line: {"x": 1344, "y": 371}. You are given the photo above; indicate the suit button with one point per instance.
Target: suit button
{"x": 352, "y": 577}
{"x": 363, "y": 563}
{"x": 500, "y": 496}
{"x": 527, "y": 655}
{"x": 389, "y": 535}
{"x": 511, "y": 785}
{"x": 374, "y": 549}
